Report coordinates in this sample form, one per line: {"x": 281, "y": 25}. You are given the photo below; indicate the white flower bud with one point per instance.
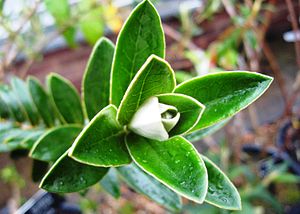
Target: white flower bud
{"x": 154, "y": 120}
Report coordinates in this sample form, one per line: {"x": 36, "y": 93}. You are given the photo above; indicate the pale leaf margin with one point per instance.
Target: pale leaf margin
{"x": 140, "y": 72}
{"x": 83, "y": 132}
{"x": 116, "y": 48}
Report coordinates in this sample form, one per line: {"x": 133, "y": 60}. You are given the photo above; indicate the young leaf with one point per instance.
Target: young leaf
{"x": 67, "y": 175}
{"x": 174, "y": 162}
{"x": 190, "y": 111}
{"x": 224, "y": 93}
{"x": 221, "y": 192}
{"x": 60, "y": 10}
{"x": 155, "y": 77}
{"x": 54, "y": 143}
{"x": 21, "y": 91}
{"x": 42, "y": 101}
{"x": 66, "y": 99}
{"x": 149, "y": 186}
{"x": 13, "y": 104}
{"x": 96, "y": 77}
{"x": 111, "y": 184}
{"x": 101, "y": 142}
{"x": 141, "y": 36}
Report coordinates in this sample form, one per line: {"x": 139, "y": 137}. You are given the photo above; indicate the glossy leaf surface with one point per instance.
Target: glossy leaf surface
{"x": 110, "y": 183}
{"x": 174, "y": 162}
{"x": 190, "y": 111}
{"x": 42, "y": 101}
{"x": 154, "y": 78}
{"x": 224, "y": 93}
{"x": 21, "y": 91}
{"x": 101, "y": 142}
{"x": 97, "y": 76}
{"x": 145, "y": 184}
{"x": 55, "y": 142}
{"x": 66, "y": 99}
{"x": 221, "y": 192}
{"x": 68, "y": 175}
{"x": 141, "y": 36}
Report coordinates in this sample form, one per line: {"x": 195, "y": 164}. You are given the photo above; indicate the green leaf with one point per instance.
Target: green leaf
{"x": 101, "y": 142}
{"x": 174, "y": 162}
{"x": 224, "y": 93}
{"x": 111, "y": 184}
{"x": 13, "y": 104}
{"x": 4, "y": 110}
{"x": 202, "y": 133}
{"x": 60, "y": 10}
{"x": 22, "y": 93}
{"x": 141, "y": 36}
{"x": 28, "y": 142}
{"x": 221, "y": 192}
{"x": 67, "y": 175}
{"x": 42, "y": 101}
{"x": 190, "y": 111}
{"x": 12, "y": 138}
{"x": 66, "y": 99}
{"x": 91, "y": 23}
{"x": 96, "y": 77}
{"x": 54, "y": 143}
{"x": 149, "y": 186}
{"x": 154, "y": 78}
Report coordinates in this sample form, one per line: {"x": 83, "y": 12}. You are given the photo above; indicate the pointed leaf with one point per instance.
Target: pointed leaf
{"x": 21, "y": 91}
{"x": 154, "y": 78}
{"x": 101, "y": 142}
{"x": 66, "y": 99}
{"x": 67, "y": 175}
{"x": 221, "y": 192}
{"x": 13, "y": 104}
{"x": 54, "y": 143}
{"x": 145, "y": 184}
{"x": 174, "y": 162}
{"x": 224, "y": 93}
{"x": 141, "y": 36}
{"x": 96, "y": 77}
{"x": 190, "y": 111}
{"x": 42, "y": 101}
{"x": 111, "y": 184}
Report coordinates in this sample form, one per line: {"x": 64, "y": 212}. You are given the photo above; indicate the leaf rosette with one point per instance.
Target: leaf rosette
{"x": 140, "y": 120}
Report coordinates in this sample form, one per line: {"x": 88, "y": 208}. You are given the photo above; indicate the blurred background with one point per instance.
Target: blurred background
{"x": 259, "y": 149}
